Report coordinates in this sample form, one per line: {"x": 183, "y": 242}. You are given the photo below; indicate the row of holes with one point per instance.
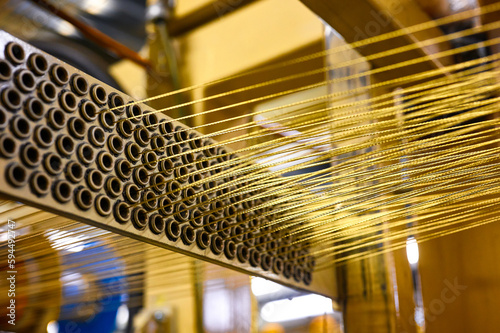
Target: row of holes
{"x": 62, "y": 192}
{"x": 39, "y": 65}
{"x": 85, "y": 153}
{"x": 57, "y": 120}
{"x": 175, "y": 230}
{"x": 59, "y": 75}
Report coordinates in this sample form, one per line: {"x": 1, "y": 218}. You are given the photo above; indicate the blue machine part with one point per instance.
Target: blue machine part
{"x": 92, "y": 290}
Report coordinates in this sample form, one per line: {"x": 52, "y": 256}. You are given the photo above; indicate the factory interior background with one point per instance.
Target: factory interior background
{"x": 231, "y": 166}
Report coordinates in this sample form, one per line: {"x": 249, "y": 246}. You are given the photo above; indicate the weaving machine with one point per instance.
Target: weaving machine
{"x": 317, "y": 161}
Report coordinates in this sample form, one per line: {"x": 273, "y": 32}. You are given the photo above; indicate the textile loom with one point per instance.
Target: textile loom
{"x": 249, "y": 166}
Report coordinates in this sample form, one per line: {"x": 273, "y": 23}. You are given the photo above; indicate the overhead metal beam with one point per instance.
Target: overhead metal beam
{"x": 356, "y": 20}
